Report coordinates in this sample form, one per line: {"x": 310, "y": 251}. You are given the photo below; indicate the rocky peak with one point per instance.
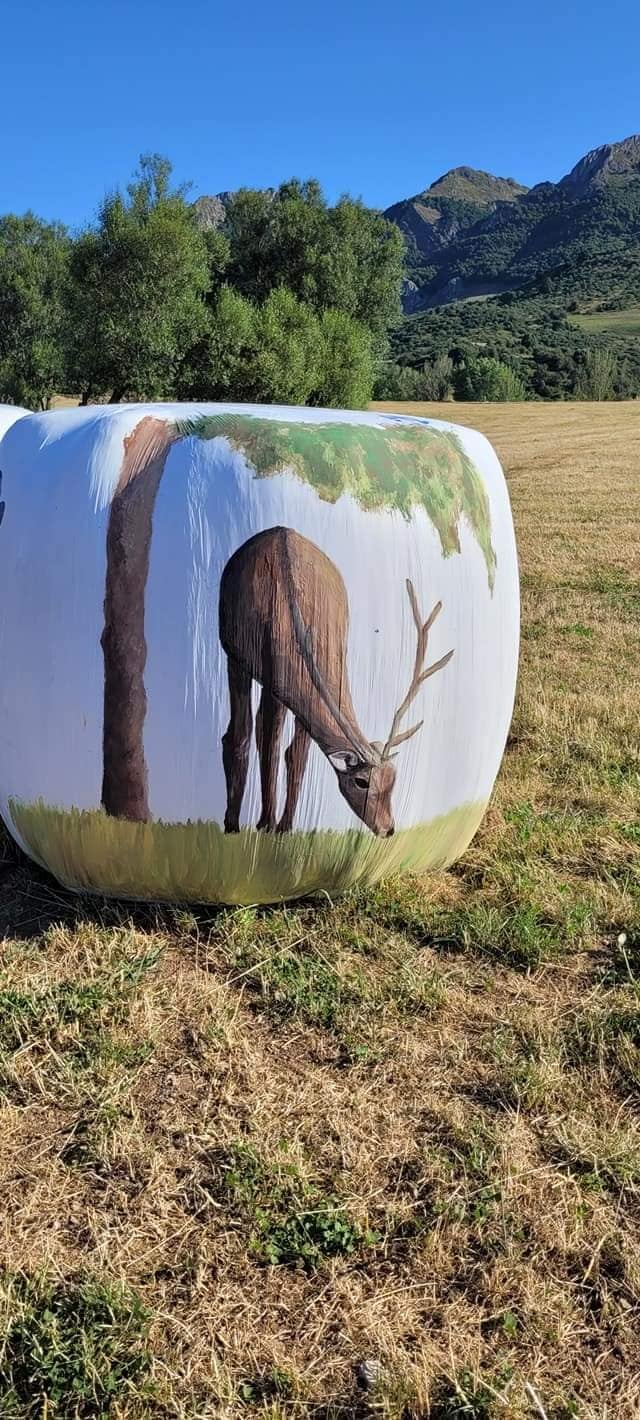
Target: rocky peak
{"x": 605, "y": 165}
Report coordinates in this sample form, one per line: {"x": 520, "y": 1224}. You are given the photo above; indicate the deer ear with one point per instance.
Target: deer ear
{"x": 344, "y": 759}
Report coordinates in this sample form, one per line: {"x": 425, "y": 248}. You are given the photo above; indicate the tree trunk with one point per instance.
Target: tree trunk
{"x": 124, "y": 784}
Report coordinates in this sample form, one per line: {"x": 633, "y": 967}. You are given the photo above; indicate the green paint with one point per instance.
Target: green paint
{"x": 398, "y": 466}
{"x": 198, "y": 862}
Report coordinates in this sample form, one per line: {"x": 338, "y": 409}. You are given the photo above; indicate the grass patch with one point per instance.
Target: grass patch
{"x": 516, "y": 934}
{"x": 606, "y": 1038}
{"x": 200, "y": 863}
{"x": 291, "y": 1222}
{"x": 70, "y": 1027}
{"x": 343, "y": 985}
{"x": 71, "y": 1350}
{"x": 624, "y": 322}
{"x": 599, "y": 1157}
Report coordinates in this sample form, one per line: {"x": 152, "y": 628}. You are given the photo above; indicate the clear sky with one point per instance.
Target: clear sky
{"x": 376, "y": 99}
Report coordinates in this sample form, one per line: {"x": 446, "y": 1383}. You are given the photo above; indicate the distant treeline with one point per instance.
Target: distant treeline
{"x": 536, "y": 333}
{"x": 290, "y": 300}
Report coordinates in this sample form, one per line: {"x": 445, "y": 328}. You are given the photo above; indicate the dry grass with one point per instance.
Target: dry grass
{"x": 244, "y": 1152}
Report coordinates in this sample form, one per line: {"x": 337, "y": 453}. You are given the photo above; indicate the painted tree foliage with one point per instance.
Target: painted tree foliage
{"x": 399, "y": 466}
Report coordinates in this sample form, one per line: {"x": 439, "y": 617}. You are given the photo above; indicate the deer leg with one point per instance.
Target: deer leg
{"x": 269, "y": 724}
{"x": 295, "y": 758}
{"x": 236, "y": 743}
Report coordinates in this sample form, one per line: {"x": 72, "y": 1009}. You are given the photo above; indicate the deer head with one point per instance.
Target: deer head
{"x": 366, "y": 773}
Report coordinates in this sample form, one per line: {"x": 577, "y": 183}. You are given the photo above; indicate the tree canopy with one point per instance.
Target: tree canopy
{"x": 289, "y": 301}
{"x": 138, "y": 279}
{"x": 33, "y": 274}
{"x": 345, "y": 258}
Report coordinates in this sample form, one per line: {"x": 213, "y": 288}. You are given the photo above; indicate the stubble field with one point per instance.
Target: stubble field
{"x": 377, "y": 1156}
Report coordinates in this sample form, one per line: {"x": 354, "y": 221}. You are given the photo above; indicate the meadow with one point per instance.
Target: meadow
{"x": 376, "y": 1155}
{"x": 624, "y": 322}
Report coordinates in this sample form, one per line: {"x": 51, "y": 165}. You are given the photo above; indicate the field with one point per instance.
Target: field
{"x": 626, "y": 322}
{"x": 377, "y": 1156}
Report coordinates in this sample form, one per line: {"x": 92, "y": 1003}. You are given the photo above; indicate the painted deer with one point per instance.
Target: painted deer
{"x": 284, "y": 619}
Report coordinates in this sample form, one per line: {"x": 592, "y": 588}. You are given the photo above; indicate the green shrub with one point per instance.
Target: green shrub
{"x": 484, "y": 378}
{"x": 70, "y": 1350}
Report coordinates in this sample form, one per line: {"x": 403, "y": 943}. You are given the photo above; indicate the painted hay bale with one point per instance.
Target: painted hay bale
{"x": 250, "y": 652}
{"x": 9, "y": 413}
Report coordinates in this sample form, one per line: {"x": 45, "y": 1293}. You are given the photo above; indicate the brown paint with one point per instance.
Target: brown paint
{"x": 284, "y": 619}
{"x": 124, "y": 784}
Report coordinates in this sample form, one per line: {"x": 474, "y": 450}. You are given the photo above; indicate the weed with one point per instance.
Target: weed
{"x": 468, "y": 1397}
{"x": 72, "y": 1350}
{"x": 292, "y": 1222}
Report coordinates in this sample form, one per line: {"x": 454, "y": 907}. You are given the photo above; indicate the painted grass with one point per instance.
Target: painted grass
{"x": 198, "y": 862}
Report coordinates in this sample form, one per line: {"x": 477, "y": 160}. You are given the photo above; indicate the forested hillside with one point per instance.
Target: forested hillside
{"x": 547, "y": 280}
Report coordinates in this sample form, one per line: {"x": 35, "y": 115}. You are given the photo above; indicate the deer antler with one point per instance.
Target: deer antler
{"x": 419, "y": 676}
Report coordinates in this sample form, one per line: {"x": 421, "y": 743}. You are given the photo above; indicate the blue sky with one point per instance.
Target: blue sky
{"x": 376, "y": 99}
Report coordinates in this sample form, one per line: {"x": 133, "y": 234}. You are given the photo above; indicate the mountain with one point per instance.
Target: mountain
{"x": 210, "y": 212}
{"x": 471, "y": 234}
{"x": 435, "y": 218}
{"x": 611, "y": 165}
{"x": 538, "y": 277}
{"x": 541, "y": 278}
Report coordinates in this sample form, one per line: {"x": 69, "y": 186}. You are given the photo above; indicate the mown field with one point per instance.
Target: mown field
{"x": 625, "y": 322}
{"x": 371, "y": 1157}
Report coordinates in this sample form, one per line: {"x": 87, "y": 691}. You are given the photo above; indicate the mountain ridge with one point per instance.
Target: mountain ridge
{"x": 457, "y": 247}
{"x": 472, "y": 234}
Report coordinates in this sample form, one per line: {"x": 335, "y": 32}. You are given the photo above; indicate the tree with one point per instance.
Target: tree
{"x": 484, "y": 378}
{"x": 346, "y": 363}
{"x": 598, "y": 375}
{"x": 438, "y": 379}
{"x": 33, "y": 263}
{"x": 279, "y": 352}
{"x": 137, "y": 285}
{"x": 345, "y": 258}
{"x": 364, "y": 274}
{"x": 399, "y": 382}
{"x": 220, "y": 365}
{"x": 286, "y": 365}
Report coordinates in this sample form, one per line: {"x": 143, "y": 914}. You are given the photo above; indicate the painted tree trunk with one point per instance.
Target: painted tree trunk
{"x": 125, "y": 782}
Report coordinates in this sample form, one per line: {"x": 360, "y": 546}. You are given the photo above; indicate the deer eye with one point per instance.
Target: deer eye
{"x": 361, "y": 782}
